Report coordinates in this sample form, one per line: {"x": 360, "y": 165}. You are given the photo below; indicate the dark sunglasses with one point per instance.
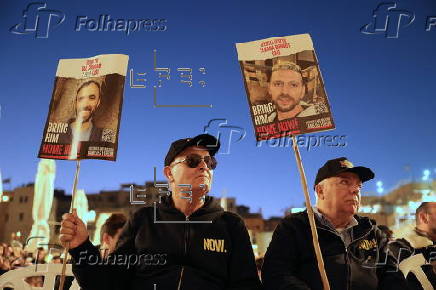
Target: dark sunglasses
{"x": 192, "y": 160}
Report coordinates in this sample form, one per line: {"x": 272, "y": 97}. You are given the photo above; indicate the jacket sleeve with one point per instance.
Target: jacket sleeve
{"x": 280, "y": 264}
{"x": 405, "y": 253}
{"x": 400, "y": 249}
{"x": 242, "y": 267}
{"x": 114, "y": 272}
{"x": 389, "y": 275}
{"x": 88, "y": 266}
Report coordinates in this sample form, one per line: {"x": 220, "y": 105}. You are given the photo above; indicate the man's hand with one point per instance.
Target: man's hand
{"x": 73, "y": 231}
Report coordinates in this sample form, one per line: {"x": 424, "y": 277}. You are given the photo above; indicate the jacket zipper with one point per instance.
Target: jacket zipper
{"x": 186, "y": 235}
{"x": 186, "y": 249}
{"x": 346, "y": 257}
{"x": 346, "y": 254}
{"x": 347, "y": 262}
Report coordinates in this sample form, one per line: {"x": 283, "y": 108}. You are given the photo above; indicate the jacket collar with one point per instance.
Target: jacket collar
{"x": 209, "y": 211}
{"x": 364, "y": 225}
{"x": 324, "y": 221}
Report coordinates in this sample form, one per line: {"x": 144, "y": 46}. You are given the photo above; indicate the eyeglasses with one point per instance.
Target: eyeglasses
{"x": 192, "y": 160}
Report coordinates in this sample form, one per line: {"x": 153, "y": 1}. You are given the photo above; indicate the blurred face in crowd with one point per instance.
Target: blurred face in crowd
{"x": 4, "y": 265}
{"x": 17, "y": 263}
{"x": 40, "y": 254}
{"x": 428, "y": 220}
{"x": 35, "y": 281}
{"x": 110, "y": 242}
{"x": 432, "y": 218}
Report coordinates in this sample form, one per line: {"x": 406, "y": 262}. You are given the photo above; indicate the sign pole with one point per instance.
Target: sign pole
{"x": 73, "y": 211}
{"x": 310, "y": 215}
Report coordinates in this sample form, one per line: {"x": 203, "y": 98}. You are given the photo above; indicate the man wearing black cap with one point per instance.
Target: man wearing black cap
{"x": 353, "y": 248}
{"x": 186, "y": 241}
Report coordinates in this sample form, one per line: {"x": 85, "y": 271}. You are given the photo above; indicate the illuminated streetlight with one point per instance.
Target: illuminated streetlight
{"x": 380, "y": 188}
{"x": 426, "y": 175}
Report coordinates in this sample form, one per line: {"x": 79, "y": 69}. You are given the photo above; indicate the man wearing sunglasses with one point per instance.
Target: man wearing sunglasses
{"x": 186, "y": 241}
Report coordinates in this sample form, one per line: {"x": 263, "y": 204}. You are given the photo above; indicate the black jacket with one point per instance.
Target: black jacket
{"x": 415, "y": 252}
{"x": 290, "y": 261}
{"x": 158, "y": 247}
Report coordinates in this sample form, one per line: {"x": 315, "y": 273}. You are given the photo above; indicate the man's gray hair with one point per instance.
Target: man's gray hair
{"x": 321, "y": 183}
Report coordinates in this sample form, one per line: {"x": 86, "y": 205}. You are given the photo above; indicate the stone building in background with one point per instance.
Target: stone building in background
{"x": 395, "y": 209}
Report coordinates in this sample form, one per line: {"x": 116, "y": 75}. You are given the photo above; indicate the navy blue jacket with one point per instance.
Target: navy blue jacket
{"x": 290, "y": 261}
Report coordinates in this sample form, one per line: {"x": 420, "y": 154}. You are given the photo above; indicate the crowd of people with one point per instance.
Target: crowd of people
{"x": 14, "y": 256}
{"x": 188, "y": 241}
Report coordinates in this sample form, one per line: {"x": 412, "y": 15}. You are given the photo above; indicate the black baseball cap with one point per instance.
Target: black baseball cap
{"x": 342, "y": 164}
{"x": 211, "y": 143}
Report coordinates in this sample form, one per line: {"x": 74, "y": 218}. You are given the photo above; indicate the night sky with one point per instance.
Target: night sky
{"x": 381, "y": 90}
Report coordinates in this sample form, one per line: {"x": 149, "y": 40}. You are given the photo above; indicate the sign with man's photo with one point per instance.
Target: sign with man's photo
{"x": 85, "y": 109}
{"x": 284, "y": 87}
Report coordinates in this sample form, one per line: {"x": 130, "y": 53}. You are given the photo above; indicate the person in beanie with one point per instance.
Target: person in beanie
{"x": 186, "y": 241}
{"x": 353, "y": 247}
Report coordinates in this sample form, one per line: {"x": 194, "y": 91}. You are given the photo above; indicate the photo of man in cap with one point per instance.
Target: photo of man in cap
{"x": 287, "y": 89}
{"x": 187, "y": 241}
{"x": 352, "y": 246}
